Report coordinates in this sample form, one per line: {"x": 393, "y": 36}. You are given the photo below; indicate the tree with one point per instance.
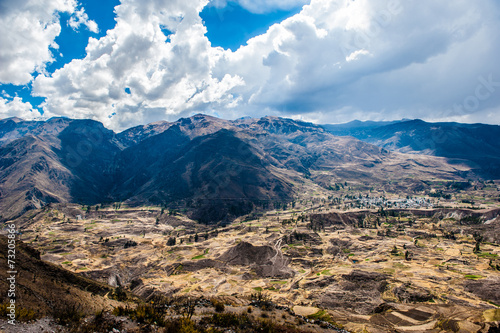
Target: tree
{"x": 478, "y": 238}
{"x": 360, "y": 222}
{"x": 477, "y": 248}
{"x": 171, "y": 241}
{"x": 185, "y": 307}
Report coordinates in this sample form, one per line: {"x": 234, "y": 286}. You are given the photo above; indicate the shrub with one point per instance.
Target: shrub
{"x": 227, "y": 320}
{"x": 262, "y": 301}
{"x": 171, "y": 241}
{"x": 119, "y": 294}
{"x": 146, "y": 313}
{"x": 22, "y": 314}
{"x": 129, "y": 243}
{"x": 182, "y": 325}
{"x": 219, "y": 306}
{"x": 67, "y": 314}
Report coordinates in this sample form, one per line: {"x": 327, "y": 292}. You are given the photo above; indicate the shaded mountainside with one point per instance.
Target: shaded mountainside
{"x": 219, "y": 174}
{"x": 475, "y": 144}
{"x": 217, "y": 169}
{"x": 88, "y": 150}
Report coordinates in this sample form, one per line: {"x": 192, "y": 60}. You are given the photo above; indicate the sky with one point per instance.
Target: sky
{"x": 131, "y": 62}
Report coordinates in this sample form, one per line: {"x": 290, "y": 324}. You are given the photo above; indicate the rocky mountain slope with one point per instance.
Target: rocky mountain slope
{"x": 216, "y": 169}
{"x": 47, "y": 289}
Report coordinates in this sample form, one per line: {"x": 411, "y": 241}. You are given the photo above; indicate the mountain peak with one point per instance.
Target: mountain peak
{"x": 14, "y": 119}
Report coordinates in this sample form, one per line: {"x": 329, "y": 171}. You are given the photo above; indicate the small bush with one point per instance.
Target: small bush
{"x": 68, "y": 314}
{"x": 119, "y": 294}
{"x": 146, "y": 313}
{"x": 129, "y": 243}
{"x": 219, "y": 306}
{"x": 171, "y": 241}
{"x": 121, "y": 311}
{"x": 182, "y": 325}
{"x": 22, "y": 314}
{"x": 227, "y": 320}
{"x": 143, "y": 314}
{"x": 262, "y": 300}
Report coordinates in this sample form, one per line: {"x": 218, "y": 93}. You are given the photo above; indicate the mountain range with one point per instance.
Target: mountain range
{"x": 476, "y": 145}
{"x": 217, "y": 169}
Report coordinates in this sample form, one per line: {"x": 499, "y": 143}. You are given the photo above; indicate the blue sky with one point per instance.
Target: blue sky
{"x": 129, "y": 62}
{"x": 230, "y": 27}
{"x": 72, "y": 42}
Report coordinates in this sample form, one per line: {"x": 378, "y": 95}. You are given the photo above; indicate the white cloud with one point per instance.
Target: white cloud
{"x": 80, "y": 18}
{"x": 385, "y": 58}
{"x": 334, "y": 61}
{"x": 164, "y": 79}
{"x": 17, "y": 108}
{"x": 28, "y": 29}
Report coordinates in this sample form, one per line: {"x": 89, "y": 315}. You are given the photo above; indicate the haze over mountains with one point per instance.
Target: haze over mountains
{"x": 219, "y": 169}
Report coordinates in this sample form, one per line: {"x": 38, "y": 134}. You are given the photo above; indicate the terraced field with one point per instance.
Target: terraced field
{"x": 418, "y": 270}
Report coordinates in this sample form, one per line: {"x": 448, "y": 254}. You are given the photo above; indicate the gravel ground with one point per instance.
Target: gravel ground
{"x": 44, "y": 325}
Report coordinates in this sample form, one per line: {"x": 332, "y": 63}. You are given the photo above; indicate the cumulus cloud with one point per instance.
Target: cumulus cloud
{"x": 378, "y": 58}
{"x": 334, "y": 61}
{"x": 28, "y": 30}
{"x": 15, "y": 107}
{"x": 133, "y": 75}
{"x": 80, "y": 18}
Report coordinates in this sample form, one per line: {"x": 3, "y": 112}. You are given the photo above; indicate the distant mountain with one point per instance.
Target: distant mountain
{"x": 355, "y": 126}
{"x": 216, "y": 169}
{"x": 477, "y": 145}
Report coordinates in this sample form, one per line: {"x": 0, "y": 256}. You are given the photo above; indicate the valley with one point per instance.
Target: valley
{"x": 250, "y": 225}
{"x": 374, "y": 269}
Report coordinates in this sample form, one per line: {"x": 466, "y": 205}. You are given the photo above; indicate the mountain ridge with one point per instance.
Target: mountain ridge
{"x": 210, "y": 166}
